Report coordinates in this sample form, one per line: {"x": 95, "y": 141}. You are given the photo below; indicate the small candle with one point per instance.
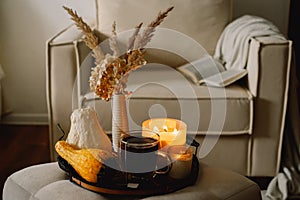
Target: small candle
{"x": 171, "y": 131}
{"x": 181, "y": 161}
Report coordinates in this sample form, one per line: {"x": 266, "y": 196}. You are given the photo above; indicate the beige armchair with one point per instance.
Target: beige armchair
{"x": 251, "y": 137}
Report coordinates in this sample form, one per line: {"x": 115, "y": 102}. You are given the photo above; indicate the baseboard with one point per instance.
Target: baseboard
{"x": 25, "y": 119}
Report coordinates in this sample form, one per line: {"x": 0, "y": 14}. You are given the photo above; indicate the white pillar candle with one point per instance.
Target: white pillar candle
{"x": 171, "y": 131}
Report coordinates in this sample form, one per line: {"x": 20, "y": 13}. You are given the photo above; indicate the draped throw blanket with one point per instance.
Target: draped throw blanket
{"x": 233, "y": 44}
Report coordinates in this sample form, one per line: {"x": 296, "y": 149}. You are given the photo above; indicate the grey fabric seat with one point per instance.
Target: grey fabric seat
{"x": 48, "y": 181}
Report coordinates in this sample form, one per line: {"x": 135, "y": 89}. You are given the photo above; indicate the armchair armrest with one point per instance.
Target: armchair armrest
{"x": 64, "y": 54}
{"x": 268, "y": 80}
{"x": 255, "y": 59}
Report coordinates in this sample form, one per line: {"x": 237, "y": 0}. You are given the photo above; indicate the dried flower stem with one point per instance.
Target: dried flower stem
{"x": 134, "y": 36}
{"x": 90, "y": 39}
{"x": 148, "y": 32}
{"x": 113, "y": 41}
{"x": 98, "y": 55}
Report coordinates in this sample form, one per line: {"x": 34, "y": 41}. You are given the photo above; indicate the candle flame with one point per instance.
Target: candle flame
{"x": 155, "y": 129}
{"x": 165, "y": 128}
{"x": 171, "y": 131}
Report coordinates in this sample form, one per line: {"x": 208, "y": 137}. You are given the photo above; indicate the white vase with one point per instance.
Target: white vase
{"x": 119, "y": 119}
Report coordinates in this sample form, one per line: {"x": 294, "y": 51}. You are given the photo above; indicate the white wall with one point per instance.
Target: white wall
{"x": 276, "y": 11}
{"x": 25, "y": 27}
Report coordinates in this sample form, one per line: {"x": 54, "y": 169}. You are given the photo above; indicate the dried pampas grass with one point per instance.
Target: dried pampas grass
{"x": 90, "y": 39}
{"x": 148, "y": 33}
{"x": 113, "y": 41}
{"x": 132, "y": 39}
{"x": 111, "y": 72}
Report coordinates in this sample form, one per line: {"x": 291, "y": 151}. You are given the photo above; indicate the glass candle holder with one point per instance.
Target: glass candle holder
{"x": 181, "y": 157}
{"x": 171, "y": 131}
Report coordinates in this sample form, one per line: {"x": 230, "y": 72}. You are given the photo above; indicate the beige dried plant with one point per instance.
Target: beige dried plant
{"x": 90, "y": 39}
{"x": 111, "y": 72}
{"x": 134, "y": 36}
{"x": 113, "y": 40}
{"x": 148, "y": 33}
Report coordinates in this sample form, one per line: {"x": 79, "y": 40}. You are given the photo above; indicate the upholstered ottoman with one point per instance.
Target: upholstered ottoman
{"x": 48, "y": 181}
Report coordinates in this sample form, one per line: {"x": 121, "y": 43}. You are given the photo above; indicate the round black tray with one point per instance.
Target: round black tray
{"x": 112, "y": 181}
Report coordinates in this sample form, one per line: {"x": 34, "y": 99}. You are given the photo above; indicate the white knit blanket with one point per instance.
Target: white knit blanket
{"x": 233, "y": 44}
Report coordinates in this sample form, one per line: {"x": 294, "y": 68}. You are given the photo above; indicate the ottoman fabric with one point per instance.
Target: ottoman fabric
{"x": 47, "y": 181}
{"x": 25, "y": 183}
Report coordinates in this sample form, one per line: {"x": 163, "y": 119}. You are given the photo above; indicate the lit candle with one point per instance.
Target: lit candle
{"x": 171, "y": 131}
{"x": 181, "y": 157}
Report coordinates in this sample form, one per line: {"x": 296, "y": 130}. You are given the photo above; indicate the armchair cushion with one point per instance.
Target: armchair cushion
{"x": 156, "y": 84}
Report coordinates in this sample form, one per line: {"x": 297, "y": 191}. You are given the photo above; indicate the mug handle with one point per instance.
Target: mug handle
{"x": 169, "y": 161}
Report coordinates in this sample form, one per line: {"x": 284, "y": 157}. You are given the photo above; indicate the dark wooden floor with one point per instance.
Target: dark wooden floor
{"x": 22, "y": 146}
